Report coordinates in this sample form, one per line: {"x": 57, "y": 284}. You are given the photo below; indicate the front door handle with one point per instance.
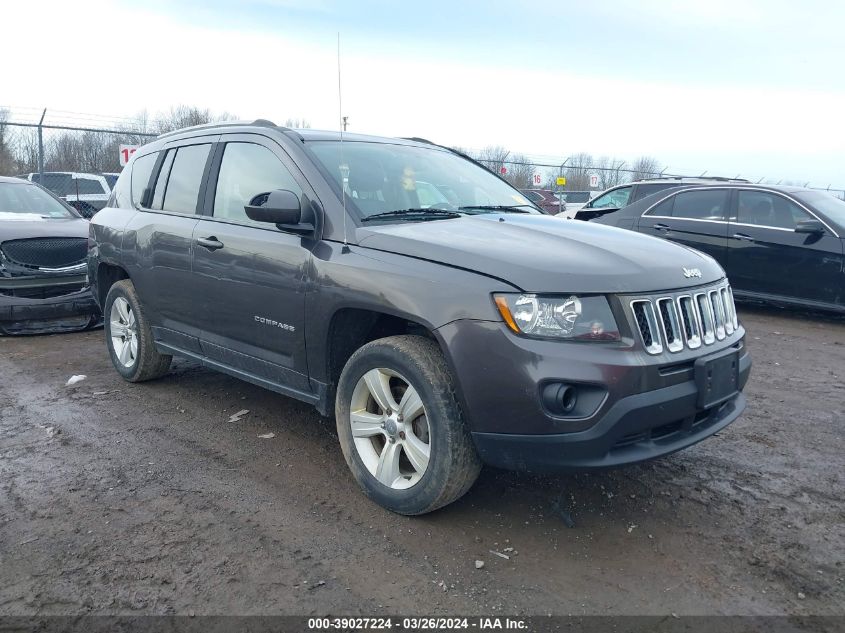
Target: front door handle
{"x": 211, "y": 243}
{"x": 744, "y": 237}
{"x": 661, "y": 227}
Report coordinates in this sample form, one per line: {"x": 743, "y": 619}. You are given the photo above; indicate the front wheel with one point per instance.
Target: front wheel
{"x": 129, "y": 337}
{"x": 401, "y": 428}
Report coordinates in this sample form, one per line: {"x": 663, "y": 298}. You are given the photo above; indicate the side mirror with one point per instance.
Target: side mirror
{"x": 275, "y": 207}
{"x": 809, "y": 226}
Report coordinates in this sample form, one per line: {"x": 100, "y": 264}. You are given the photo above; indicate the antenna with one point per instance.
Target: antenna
{"x": 344, "y": 168}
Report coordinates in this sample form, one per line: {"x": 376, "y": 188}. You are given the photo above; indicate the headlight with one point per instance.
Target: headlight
{"x": 573, "y": 318}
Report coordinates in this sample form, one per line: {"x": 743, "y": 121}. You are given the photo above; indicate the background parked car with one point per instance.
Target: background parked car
{"x": 111, "y": 178}
{"x": 87, "y": 193}
{"x": 575, "y": 200}
{"x": 43, "y": 249}
{"x": 777, "y": 244}
{"x": 546, "y": 199}
{"x": 622, "y": 195}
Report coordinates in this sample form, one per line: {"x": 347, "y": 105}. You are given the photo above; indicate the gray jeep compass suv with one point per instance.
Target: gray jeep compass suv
{"x": 442, "y": 318}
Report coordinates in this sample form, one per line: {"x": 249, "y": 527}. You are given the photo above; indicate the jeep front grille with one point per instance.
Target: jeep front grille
{"x": 676, "y": 322}
{"x": 46, "y": 252}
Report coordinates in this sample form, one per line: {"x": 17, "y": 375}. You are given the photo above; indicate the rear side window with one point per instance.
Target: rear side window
{"x": 142, "y": 168}
{"x": 161, "y": 181}
{"x": 647, "y": 190}
{"x": 88, "y": 186}
{"x": 700, "y": 205}
{"x": 246, "y": 171}
{"x": 183, "y": 185}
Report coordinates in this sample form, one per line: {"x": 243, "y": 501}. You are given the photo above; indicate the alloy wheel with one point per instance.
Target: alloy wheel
{"x": 390, "y": 428}
{"x": 123, "y": 329}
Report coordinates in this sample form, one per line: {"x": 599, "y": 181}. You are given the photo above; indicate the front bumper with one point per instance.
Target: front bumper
{"x": 650, "y": 405}
{"x": 64, "y": 313}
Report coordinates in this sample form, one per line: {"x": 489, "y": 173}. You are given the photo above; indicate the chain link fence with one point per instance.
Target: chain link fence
{"x": 79, "y": 156}
{"x": 595, "y": 178}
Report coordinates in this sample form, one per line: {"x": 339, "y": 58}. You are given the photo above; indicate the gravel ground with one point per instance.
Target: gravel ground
{"x": 119, "y": 498}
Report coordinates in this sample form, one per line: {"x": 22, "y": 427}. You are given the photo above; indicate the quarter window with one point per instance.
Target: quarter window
{"x": 142, "y": 167}
{"x": 247, "y": 170}
{"x": 183, "y": 185}
{"x": 768, "y": 209}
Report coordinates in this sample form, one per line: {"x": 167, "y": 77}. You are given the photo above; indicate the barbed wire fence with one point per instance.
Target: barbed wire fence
{"x": 35, "y": 141}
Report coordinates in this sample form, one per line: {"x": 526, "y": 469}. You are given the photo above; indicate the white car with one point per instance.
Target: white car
{"x": 575, "y": 200}
{"x": 87, "y": 193}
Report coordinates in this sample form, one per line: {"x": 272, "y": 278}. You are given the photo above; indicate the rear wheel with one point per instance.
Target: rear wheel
{"x": 401, "y": 428}
{"x": 129, "y": 338}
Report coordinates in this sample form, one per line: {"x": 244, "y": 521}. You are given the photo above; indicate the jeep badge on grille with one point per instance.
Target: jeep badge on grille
{"x": 691, "y": 272}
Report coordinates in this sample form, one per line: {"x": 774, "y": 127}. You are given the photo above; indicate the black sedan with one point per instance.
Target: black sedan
{"x": 777, "y": 244}
{"x": 43, "y": 251}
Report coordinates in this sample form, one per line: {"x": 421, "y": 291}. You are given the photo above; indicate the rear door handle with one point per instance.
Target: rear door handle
{"x": 661, "y": 227}
{"x": 743, "y": 236}
{"x": 211, "y": 243}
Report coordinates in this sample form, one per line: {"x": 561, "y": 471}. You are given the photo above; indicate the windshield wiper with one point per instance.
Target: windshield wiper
{"x": 513, "y": 208}
{"x": 412, "y": 213}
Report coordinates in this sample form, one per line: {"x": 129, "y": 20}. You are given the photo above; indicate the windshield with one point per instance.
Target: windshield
{"x": 833, "y": 208}
{"x": 28, "y": 202}
{"x": 383, "y": 177}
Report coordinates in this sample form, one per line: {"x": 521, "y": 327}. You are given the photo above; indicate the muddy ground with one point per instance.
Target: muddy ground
{"x": 119, "y": 498}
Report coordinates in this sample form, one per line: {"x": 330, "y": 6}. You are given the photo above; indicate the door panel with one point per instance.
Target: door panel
{"x": 251, "y": 276}
{"x": 766, "y": 255}
{"x": 163, "y": 241}
{"x": 694, "y": 218}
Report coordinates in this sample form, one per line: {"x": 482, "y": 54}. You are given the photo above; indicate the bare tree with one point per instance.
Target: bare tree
{"x": 578, "y": 170}
{"x": 609, "y": 171}
{"x": 520, "y": 172}
{"x": 7, "y": 158}
{"x": 298, "y": 123}
{"x": 645, "y": 167}
{"x": 186, "y": 116}
{"x": 493, "y": 157}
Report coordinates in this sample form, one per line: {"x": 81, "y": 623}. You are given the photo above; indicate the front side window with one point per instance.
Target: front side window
{"x": 833, "y": 208}
{"x": 29, "y": 202}
{"x": 183, "y": 185}
{"x": 647, "y": 190}
{"x": 615, "y": 199}
{"x": 768, "y": 209}
{"x": 383, "y": 177}
{"x": 248, "y": 169}
{"x": 700, "y": 205}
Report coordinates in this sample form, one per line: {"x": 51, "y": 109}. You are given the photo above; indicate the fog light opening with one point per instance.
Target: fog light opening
{"x": 568, "y": 398}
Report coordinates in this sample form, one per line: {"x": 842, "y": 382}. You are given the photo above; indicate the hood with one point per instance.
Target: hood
{"x": 31, "y": 225}
{"x": 539, "y": 253}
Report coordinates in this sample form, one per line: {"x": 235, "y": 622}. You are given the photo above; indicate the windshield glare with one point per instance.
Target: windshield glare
{"x": 17, "y": 201}
{"x": 833, "y": 208}
{"x": 383, "y": 177}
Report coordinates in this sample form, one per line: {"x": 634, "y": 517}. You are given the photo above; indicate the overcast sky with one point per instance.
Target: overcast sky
{"x": 751, "y": 87}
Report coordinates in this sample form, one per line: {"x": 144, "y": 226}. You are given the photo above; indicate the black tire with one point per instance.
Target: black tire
{"x": 148, "y": 363}
{"x": 453, "y": 465}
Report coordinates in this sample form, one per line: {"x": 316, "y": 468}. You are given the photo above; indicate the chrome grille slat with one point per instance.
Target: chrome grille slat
{"x": 673, "y": 323}
{"x": 718, "y": 313}
{"x": 728, "y": 306}
{"x": 689, "y": 320}
{"x": 669, "y": 321}
{"x": 649, "y": 332}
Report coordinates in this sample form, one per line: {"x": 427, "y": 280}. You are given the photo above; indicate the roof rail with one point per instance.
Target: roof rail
{"x": 716, "y": 178}
{"x": 417, "y": 139}
{"x": 205, "y": 126}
